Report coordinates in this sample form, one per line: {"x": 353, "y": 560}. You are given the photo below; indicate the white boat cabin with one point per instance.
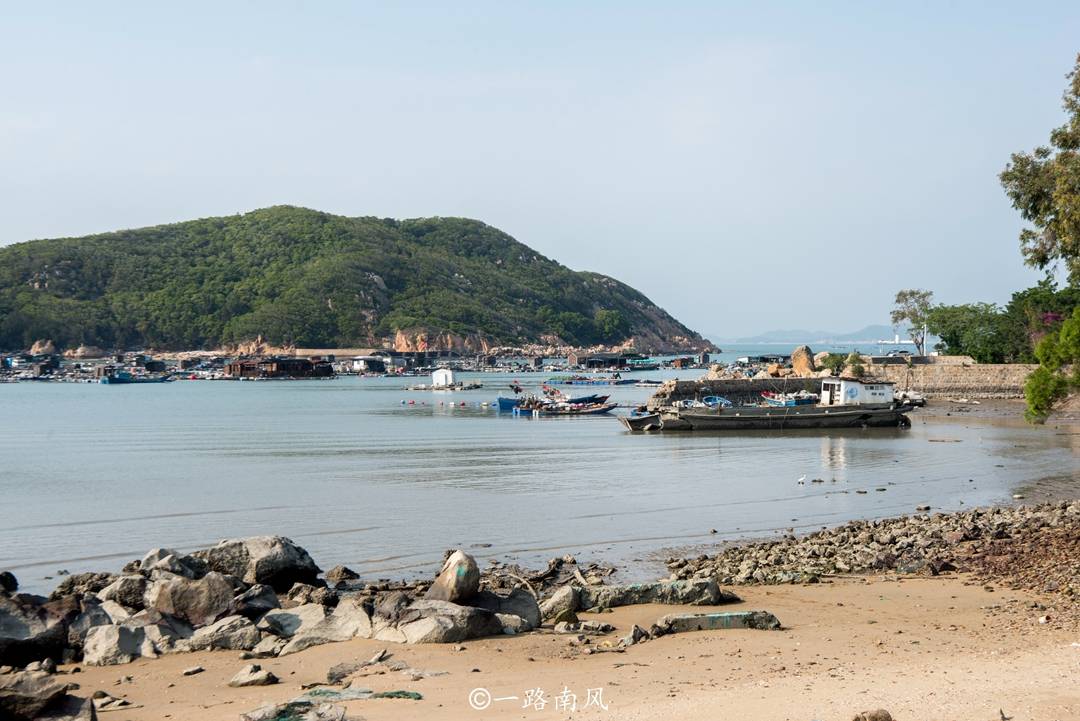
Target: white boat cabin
{"x": 849, "y": 392}
{"x": 442, "y": 378}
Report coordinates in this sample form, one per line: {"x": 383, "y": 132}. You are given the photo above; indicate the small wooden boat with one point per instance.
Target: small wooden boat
{"x": 644, "y": 422}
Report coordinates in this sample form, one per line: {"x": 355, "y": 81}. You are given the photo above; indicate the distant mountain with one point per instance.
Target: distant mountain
{"x": 869, "y": 333}
{"x": 295, "y": 276}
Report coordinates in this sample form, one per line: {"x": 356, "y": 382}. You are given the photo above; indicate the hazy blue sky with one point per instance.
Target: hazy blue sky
{"x": 747, "y": 168}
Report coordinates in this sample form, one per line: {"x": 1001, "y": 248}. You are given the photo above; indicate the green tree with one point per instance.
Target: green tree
{"x": 912, "y": 306}
{"x": 1044, "y": 185}
{"x": 1058, "y": 373}
{"x": 973, "y": 329}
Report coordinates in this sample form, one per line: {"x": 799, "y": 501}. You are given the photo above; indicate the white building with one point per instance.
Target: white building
{"x": 848, "y": 392}
{"x": 442, "y": 378}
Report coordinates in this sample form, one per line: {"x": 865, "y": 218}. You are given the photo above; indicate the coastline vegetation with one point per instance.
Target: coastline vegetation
{"x": 295, "y": 276}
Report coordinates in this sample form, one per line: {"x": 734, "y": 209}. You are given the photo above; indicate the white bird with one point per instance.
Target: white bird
{"x": 803, "y": 478}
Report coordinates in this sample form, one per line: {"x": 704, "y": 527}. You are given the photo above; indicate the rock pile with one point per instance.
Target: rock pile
{"x": 1035, "y": 547}
{"x": 261, "y": 596}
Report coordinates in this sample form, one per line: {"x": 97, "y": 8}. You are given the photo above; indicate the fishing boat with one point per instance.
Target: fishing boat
{"x": 126, "y": 377}
{"x": 642, "y": 422}
{"x": 843, "y": 403}
{"x": 509, "y": 404}
{"x": 567, "y": 409}
{"x": 615, "y": 380}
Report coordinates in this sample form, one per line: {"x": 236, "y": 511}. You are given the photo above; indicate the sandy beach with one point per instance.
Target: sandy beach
{"x": 922, "y": 648}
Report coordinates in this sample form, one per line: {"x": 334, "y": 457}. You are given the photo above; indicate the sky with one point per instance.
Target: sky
{"x": 784, "y": 165}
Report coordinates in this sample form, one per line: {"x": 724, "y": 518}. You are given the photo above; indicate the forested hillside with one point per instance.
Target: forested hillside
{"x": 300, "y": 277}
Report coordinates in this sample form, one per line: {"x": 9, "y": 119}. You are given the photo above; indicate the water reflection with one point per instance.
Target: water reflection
{"x": 834, "y": 453}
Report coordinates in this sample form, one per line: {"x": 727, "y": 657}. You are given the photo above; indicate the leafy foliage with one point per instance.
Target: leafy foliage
{"x": 1044, "y": 185}
{"x": 298, "y": 276}
{"x": 834, "y": 362}
{"x": 1058, "y": 373}
{"x": 912, "y": 307}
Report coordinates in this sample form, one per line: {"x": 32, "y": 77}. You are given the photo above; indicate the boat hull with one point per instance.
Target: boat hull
{"x": 647, "y": 422}
{"x": 792, "y": 417}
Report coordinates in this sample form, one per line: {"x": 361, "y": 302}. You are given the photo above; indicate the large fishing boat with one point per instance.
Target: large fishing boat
{"x": 844, "y": 403}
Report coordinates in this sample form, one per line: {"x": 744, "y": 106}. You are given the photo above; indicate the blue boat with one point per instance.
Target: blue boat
{"x": 124, "y": 377}
{"x": 789, "y": 400}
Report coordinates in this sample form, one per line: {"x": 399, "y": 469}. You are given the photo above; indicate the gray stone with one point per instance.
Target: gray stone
{"x": 303, "y": 593}
{"x": 339, "y": 574}
{"x": 512, "y": 624}
{"x": 127, "y": 590}
{"x": 458, "y": 580}
{"x": 695, "y": 592}
{"x": 270, "y": 645}
{"x": 253, "y": 675}
{"x": 683, "y": 622}
{"x": 23, "y": 695}
{"x": 82, "y": 584}
{"x": 112, "y": 645}
{"x": 232, "y": 632}
{"x": 637, "y": 635}
{"x": 28, "y": 632}
{"x": 565, "y": 599}
{"x": 115, "y": 612}
{"x": 273, "y": 560}
{"x": 255, "y": 601}
{"x": 301, "y": 711}
{"x": 69, "y": 708}
{"x": 287, "y": 622}
{"x": 348, "y": 620}
{"x": 193, "y": 670}
{"x": 170, "y": 561}
{"x": 197, "y": 601}
{"x": 92, "y": 615}
{"x": 432, "y": 621}
{"x": 519, "y": 602}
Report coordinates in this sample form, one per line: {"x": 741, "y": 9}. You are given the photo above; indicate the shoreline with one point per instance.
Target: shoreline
{"x": 922, "y": 640}
{"x": 925, "y": 601}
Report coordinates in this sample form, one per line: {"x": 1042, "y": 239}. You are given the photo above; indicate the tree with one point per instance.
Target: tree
{"x": 1058, "y": 373}
{"x": 973, "y": 329}
{"x": 913, "y": 307}
{"x": 1044, "y": 185}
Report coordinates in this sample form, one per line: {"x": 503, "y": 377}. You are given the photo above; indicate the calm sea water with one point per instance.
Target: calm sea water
{"x": 92, "y": 476}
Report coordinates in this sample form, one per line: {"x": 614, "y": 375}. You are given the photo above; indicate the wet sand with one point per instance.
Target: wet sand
{"x": 922, "y": 648}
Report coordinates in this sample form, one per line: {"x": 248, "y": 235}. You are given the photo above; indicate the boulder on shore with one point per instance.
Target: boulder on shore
{"x": 28, "y": 632}
{"x": 112, "y": 645}
{"x": 197, "y": 601}
{"x": 272, "y": 560}
{"x": 349, "y": 619}
{"x": 802, "y": 361}
{"x": 518, "y": 603}
{"x": 23, "y": 695}
{"x": 232, "y": 632}
{"x": 433, "y": 621}
{"x": 458, "y": 580}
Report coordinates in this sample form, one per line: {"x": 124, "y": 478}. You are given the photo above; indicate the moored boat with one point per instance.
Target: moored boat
{"x": 843, "y": 403}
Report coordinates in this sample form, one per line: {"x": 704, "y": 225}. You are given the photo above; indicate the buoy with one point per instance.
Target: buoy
{"x": 412, "y": 403}
{"x": 402, "y": 401}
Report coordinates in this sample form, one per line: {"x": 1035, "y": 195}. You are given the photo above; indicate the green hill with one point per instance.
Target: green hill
{"x": 300, "y": 277}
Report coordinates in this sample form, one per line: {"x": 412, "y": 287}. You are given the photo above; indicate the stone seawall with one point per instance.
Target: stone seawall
{"x": 933, "y": 380}
{"x": 990, "y": 380}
